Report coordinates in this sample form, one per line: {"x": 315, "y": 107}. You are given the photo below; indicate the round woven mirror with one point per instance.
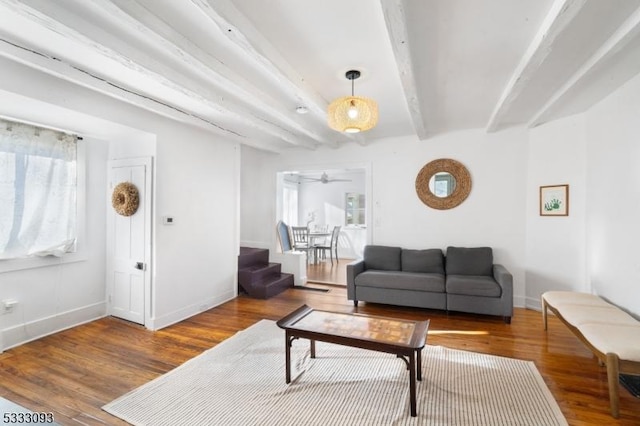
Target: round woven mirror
{"x": 443, "y": 184}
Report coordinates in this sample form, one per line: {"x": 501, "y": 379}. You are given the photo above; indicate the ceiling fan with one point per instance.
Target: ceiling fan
{"x": 324, "y": 178}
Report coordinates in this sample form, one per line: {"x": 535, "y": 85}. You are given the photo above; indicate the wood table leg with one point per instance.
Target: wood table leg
{"x": 287, "y": 357}
{"x": 613, "y": 374}
{"x": 419, "y": 361}
{"x": 412, "y": 383}
{"x": 313, "y": 348}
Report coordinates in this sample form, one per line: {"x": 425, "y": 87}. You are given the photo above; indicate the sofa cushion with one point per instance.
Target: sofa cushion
{"x": 469, "y": 261}
{"x": 470, "y": 285}
{"x": 430, "y": 261}
{"x": 433, "y": 283}
{"x": 383, "y": 258}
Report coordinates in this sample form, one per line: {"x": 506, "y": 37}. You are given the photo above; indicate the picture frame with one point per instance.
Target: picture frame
{"x": 554, "y": 200}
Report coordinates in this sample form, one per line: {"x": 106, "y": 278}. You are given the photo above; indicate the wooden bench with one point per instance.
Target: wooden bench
{"x": 609, "y": 332}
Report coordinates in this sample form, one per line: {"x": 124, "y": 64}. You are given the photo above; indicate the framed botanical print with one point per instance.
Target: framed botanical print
{"x": 554, "y": 200}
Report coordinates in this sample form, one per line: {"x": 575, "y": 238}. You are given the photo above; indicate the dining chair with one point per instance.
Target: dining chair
{"x": 282, "y": 230}
{"x": 332, "y": 247}
{"x": 300, "y": 236}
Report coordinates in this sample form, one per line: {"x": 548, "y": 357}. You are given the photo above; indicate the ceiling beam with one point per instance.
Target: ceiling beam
{"x": 560, "y": 15}
{"x": 213, "y": 70}
{"x": 257, "y": 50}
{"x": 395, "y": 19}
{"x": 176, "y": 91}
{"x": 65, "y": 71}
{"x": 628, "y": 31}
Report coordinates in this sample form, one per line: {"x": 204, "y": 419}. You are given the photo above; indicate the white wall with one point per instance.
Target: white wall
{"x": 258, "y": 199}
{"x": 595, "y": 249}
{"x": 556, "y": 245}
{"x": 196, "y": 180}
{"x": 613, "y": 192}
{"x": 196, "y": 258}
{"x": 491, "y": 216}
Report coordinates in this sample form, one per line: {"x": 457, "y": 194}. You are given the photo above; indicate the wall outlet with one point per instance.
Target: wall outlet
{"x": 8, "y": 305}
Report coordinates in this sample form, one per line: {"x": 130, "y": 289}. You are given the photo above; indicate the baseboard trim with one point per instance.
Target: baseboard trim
{"x": 533, "y": 303}
{"x": 33, "y": 330}
{"x": 181, "y": 314}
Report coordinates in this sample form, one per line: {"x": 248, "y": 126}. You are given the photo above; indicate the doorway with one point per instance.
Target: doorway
{"x": 322, "y": 198}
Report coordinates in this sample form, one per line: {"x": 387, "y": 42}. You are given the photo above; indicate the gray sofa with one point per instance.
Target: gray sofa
{"x": 466, "y": 280}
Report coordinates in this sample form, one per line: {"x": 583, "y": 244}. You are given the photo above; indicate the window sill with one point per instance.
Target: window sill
{"x": 10, "y": 265}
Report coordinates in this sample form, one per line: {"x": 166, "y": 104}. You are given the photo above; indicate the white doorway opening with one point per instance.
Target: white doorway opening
{"x": 322, "y": 197}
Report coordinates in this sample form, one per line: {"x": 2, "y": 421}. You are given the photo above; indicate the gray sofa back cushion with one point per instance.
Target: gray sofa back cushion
{"x": 469, "y": 261}
{"x": 430, "y": 261}
{"x": 394, "y": 281}
{"x": 383, "y": 258}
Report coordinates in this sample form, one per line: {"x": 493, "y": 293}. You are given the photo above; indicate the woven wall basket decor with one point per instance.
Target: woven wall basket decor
{"x": 457, "y": 170}
{"x": 125, "y": 199}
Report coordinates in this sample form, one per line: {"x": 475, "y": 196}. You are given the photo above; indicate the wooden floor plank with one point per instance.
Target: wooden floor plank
{"x": 74, "y": 372}
{"x": 325, "y": 272}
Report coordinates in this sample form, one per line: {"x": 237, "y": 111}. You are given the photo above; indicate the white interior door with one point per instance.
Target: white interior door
{"x": 129, "y": 244}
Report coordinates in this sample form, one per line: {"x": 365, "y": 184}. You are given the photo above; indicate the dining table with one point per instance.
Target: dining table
{"x": 313, "y": 236}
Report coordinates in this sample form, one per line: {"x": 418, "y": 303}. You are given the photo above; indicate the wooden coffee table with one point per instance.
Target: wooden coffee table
{"x": 403, "y": 338}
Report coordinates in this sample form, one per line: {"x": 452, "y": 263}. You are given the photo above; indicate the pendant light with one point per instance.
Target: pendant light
{"x": 352, "y": 114}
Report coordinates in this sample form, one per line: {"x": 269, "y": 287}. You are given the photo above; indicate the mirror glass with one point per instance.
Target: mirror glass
{"x": 442, "y": 184}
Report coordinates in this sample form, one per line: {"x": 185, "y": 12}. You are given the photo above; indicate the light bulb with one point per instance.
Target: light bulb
{"x": 352, "y": 112}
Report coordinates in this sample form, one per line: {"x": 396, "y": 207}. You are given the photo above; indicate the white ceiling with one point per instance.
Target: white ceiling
{"x": 240, "y": 68}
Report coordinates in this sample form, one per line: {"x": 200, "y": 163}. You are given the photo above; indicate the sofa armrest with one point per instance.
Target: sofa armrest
{"x": 505, "y": 280}
{"x": 353, "y": 269}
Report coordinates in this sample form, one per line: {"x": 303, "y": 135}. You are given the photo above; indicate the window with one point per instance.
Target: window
{"x": 290, "y": 203}
{"x": 38, "y": 189}
{"x": 355, "y": 212}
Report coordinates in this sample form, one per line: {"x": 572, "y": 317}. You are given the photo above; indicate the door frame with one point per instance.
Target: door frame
{"x": 147, "y": 162}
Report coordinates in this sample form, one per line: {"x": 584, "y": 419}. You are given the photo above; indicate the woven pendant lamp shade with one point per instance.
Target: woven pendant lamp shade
{"x": 352, "y": 114}
{"x": 365, "y": 117}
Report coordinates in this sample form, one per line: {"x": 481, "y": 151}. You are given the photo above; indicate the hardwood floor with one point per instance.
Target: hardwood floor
{"x": 74, "y": 372}
{"x": 326, "y": 273}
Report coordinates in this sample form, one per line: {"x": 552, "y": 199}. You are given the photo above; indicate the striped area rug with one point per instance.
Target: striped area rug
{"x": 241, "y": 382}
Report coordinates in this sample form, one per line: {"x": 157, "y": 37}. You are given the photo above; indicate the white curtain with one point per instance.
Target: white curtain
{"x": 37, "y": 191}
{"x": 290, "y": 204}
